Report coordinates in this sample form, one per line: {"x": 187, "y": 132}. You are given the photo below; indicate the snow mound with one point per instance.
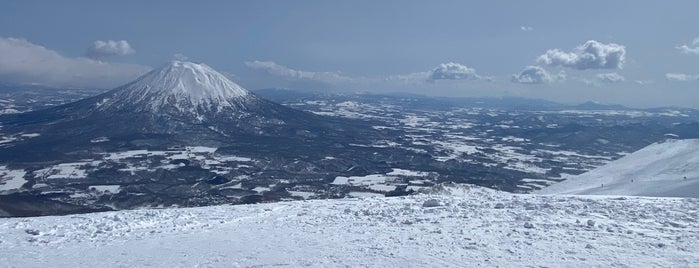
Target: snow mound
{"x": 666, "y": 169}
{"x": 185, "y": 86}
{"x": 448, "y": 227}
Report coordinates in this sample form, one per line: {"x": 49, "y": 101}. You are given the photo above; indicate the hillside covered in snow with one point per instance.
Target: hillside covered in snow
{"x": 452, "y": 226}
{"x": 669, "y": 169}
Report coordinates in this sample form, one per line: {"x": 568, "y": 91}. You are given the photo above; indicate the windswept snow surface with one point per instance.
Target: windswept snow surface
{"x": 669, "y": 169}
{"x": 453, "y": 227}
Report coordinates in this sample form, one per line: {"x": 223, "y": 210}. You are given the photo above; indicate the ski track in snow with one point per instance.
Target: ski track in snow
{"x": 456, "y": 227}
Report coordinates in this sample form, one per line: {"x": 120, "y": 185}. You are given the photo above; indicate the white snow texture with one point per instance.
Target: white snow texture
{"x": 667, "y": 169}
{"x": 458, "y": 226}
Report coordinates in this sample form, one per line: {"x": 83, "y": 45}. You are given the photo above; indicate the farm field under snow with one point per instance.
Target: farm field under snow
{"x": 453, "y": 226}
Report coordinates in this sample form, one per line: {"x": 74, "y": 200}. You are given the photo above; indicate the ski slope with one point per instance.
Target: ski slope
{"x": 669, "y": 169}
{"x": 456, "y": 226}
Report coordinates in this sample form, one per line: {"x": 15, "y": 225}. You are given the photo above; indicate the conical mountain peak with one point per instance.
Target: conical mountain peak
{"x": 184, "y": 86}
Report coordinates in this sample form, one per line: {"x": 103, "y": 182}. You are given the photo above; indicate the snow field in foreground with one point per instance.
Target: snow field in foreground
{"x": 457, "y": 227}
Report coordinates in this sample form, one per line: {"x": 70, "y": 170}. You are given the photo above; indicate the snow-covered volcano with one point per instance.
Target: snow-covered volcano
{"x": 189, "y": 101}
{"x": 182, "y": 86}
{"x": 667, "y": 169}
{"x": 166, "y": 121}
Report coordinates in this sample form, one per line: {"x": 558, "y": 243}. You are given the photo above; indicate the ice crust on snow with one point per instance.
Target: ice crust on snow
{"x": 186, "y": 86}
{"x": 448, "y": 227}
{"x": 661, "y": 169}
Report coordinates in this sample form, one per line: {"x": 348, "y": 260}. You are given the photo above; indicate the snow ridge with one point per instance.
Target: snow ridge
{"x": 666, "y": 169}
{"x": 184, "y": 86}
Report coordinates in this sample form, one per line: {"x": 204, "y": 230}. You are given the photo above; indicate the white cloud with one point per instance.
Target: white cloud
{"x": 409, "y": 78}
{"x": 562, "y": 76}
{"x": 690, "y": 49}
{"x": 644, "y": 82}
{"x": 533, "y": 75}
{"x": 283, "y": 71}
{"x": 451, "y": 77}
{"x": 610, "y": 77}
{"x": 591, "y": 55}
{"x": 180, "y": 57}
{"x": 453, "y": 71}
{"x": 681, "y": 77}
{"x": 526, "y": 28}
{"x": 444, "y": 71}
{"x": 23, "y": 62}
{"x": 101, "y": 49}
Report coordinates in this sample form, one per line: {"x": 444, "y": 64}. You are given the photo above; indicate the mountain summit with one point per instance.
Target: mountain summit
{"x": 178, "y": 86}
{"x": 180, "y": 103}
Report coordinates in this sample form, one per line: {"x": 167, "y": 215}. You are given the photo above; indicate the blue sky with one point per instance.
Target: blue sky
{"x": 637, "y": 53}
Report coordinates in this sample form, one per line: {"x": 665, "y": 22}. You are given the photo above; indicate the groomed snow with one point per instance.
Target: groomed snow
{"x": 456, "y": 227}
{"x": 662, "y": 169}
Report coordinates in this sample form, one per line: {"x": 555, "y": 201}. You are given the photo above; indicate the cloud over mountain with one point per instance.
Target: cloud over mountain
{"x": 23, "y": 62}
{"x": 532, "y": 75}
{"x": 101, "y": 49}
{"x": 283, "y": 71}
{"x": 590, "y": 55}
{"x": 453, "y": 71}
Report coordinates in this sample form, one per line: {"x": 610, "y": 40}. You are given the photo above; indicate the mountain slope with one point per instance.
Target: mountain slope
{"x": 661, "y": 169}
{"x": 181, "y": 103}
{"x": 457, "y": 227}
{"x": 182, "y": 135}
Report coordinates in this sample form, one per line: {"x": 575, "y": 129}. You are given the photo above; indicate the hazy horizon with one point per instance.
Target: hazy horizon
{"x": 634, "y": 54}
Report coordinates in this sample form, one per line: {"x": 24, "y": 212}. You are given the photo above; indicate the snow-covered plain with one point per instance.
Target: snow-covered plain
{"x": 667, "y": 169}
{"x": 11, "y": 179}
{"x": 457, "y": 226}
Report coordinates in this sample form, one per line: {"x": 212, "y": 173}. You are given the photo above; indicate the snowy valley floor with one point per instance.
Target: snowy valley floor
{"x": 457, "y": 227}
